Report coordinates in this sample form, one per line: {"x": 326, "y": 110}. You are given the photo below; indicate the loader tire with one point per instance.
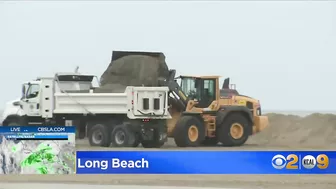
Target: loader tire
{"x": 234, "y": 130}
{"x": 99, "y": 135}
{"x": 123, "y": 136}
{"x": 189, "y": 132}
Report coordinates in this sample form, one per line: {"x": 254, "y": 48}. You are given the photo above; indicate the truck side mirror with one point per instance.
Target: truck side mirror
{"x": 23, "y": 91}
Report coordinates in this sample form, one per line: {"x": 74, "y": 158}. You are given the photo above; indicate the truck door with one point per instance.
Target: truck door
{"x": 31, "y": 102}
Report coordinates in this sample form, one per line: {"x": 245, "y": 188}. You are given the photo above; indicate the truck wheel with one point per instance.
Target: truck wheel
{"x": 152, "y": 144}
{"x": 189, "y": 132}
{"x": 210, "y": 141}
{"x": 137, "y": 140}
{"x": 122, "y": 136}
{"x": 80, "y": 129}
{"x": 13, "y": 123}
{"x": 99, "y": 135}
{"x": 233, "y": 131}
{"x": 155, "y": 142}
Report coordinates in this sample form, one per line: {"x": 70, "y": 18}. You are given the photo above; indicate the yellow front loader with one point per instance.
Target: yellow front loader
{"x": 202, "y": 116}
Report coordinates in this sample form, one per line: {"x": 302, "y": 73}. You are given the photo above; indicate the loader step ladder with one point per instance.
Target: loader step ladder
{"x": 210, "y": 123}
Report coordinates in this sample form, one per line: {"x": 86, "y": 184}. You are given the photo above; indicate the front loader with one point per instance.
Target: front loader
{"x": 201, "y": 116}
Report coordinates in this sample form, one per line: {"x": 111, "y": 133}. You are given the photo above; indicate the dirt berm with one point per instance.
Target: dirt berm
{"x": 313, "y": 131}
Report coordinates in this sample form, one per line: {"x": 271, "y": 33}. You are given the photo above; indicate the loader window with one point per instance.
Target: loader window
{"x": 189, "y": 87}
{"x": 208, "y": 93}
{"x": 209, "y": 86}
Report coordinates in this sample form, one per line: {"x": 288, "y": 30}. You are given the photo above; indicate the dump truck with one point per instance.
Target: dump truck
{"x": 201, "y": 116}
{"x": 126, "y": 119}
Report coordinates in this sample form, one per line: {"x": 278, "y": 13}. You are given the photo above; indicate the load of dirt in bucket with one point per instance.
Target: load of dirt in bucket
{"x": 315, "y": 130}
{"x": 133, "y": 69}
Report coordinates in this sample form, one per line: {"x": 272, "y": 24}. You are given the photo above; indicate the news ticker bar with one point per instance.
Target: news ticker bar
{"x": 38, "y": 129}
{"x": 40, "y": 139}
{"x": 206, "y": 162}
{"x": 35, "y": 137}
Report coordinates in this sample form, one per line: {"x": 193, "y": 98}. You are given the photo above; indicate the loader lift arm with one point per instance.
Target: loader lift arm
{"x": 174, "y": 88}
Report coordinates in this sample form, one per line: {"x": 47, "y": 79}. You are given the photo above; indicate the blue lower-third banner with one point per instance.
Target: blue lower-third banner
{"x": 206, "y": 162}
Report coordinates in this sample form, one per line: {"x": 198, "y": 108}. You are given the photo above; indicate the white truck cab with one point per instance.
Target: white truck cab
{"x": 12, "y": 108}
{"x": 30, "y": 100}
{"x": 16, "y": 109}
{"x": 139, "y": 111}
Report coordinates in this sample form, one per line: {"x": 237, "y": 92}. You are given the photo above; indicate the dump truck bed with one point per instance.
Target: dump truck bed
{"x": 136, "y": 102}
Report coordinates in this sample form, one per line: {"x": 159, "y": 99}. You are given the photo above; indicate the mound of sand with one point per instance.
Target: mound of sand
{"x": 315, "y": 130}
{"x": 133, "y": 69}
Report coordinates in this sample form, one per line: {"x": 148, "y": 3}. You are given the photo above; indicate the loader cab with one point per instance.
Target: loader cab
{"x": 204, "y": 89}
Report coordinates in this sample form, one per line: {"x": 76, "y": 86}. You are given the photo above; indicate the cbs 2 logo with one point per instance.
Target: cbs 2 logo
{"x": 291, "y": 161}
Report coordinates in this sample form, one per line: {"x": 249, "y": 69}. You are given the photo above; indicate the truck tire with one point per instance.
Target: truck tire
{"x": 152, "y": 143}
{"x": 189, "y": 132}
{"x": 99, "y": 135}
{"x": 234, "y": 130}
{"x": 123, "y": 136}
{"x": 137, "y": 140}
{"x": 155, "y": 143}
{"x": 80, "y": 129}
{"x": 210, "y": 141}
{"x": 13, "y": 123}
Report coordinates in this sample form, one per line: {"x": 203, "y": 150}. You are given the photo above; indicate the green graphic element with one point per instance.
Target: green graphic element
{"x": 42, "y": 160}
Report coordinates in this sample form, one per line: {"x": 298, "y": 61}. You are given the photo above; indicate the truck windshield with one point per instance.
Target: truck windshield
{"x": 33, "y": 91}
{"x": 190, "y": 88}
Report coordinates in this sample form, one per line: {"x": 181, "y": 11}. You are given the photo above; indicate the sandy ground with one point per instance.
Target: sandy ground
{"x": 86, "y": 186}
{"x": 227, "y": 181}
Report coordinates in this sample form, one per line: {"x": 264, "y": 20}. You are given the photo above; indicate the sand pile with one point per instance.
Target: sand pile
{"x": 315, "y": 130}
{"x": 133, "y": 69}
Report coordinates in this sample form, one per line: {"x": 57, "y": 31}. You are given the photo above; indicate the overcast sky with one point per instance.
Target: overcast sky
{"x": 281, "y": 52}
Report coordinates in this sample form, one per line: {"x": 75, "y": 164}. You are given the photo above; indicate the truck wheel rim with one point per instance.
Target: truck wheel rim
{"x": 193, "y": 133}
{"x": 236, "y": 131}
{"x": 120, "y": 137}
{"x": 97, "y": 137}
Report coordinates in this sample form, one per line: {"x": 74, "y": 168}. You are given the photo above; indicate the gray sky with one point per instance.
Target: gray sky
{"x": 282, "y": 53}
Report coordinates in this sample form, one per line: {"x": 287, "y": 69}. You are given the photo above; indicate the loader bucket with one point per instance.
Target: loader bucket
{"x": 118, "y": 54}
